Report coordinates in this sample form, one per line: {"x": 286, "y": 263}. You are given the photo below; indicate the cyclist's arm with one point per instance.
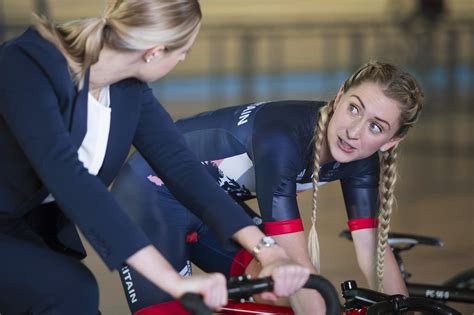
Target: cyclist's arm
{"x": 277, "y": 162}
{"x": 163, "y": 146}
{"x": 360, "y": 190}
{"x": 365, "y": 242}
{"x": 148, "y": 261}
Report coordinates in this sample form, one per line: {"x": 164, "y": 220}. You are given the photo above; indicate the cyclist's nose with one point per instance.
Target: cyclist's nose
{"x": 353, "y": 131}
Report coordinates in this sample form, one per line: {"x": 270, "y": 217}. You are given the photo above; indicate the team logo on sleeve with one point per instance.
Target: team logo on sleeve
{"x": 228, "y": 174}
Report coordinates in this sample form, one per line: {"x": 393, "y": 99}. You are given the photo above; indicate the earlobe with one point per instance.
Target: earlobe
{"x": 154, "y": 53}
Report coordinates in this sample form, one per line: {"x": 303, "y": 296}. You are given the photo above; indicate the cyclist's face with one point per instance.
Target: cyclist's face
{"x": 364, "y": 121}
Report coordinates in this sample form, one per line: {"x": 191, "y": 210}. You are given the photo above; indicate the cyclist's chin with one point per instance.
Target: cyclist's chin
{"x": 345, "y": 157}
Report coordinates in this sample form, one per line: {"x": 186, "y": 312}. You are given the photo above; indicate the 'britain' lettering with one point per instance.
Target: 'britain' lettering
{"x": 246, "y": 113}
{"x": 132, "y": 296}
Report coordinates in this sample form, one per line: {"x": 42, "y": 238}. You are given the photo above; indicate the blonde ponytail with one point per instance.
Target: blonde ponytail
{"x": 79, "y": 41}
{"x": 127, "y": 25}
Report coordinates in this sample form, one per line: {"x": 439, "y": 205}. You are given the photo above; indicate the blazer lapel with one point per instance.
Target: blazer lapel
{"x": 78, "y": 127}
{"x": 124, "y": 101}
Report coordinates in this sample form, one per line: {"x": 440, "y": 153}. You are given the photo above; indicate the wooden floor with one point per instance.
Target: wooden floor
{"x": 435, "y": 197}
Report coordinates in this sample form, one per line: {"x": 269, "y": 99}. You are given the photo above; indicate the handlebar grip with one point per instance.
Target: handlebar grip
{"x": 327, "y": 291}
{"x": 194, "y": 304}
{"x": 243, "y": 287}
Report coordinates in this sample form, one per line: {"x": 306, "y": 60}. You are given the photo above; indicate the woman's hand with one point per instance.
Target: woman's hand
{"x": 212, "y": 287}
{"x": 288, "y": 276}
{"x": 303, "y": 301}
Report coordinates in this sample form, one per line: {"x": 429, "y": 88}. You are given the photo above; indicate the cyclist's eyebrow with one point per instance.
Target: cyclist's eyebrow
{"x": 361, "y": 103}
{"x": 378, "y": 118}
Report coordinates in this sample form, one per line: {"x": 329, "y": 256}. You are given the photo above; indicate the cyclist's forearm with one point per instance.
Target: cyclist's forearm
{"x": 365, "y": 245}
{"x": 307, "y": 302}
{"x": 393, "y": 282}
{"x": 250, "y": 236}
{"x": 295, "y": 246}
{"x": 153, "y": 266}
{"x": 303, "y": 301}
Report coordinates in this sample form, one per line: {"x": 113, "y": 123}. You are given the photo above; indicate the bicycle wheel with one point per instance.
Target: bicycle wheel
{"x": 463, "y": 280}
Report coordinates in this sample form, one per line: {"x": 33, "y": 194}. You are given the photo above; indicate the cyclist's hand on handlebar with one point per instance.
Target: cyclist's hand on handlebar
{"x": 287, "y": 275}
{"x": 212, "y": 287}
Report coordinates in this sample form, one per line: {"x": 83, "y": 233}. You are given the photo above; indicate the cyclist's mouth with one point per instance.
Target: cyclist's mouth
{"x": 344, "y": 146}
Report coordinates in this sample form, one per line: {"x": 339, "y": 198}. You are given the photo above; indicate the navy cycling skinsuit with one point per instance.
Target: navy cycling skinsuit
{"x": 261, "y": 150}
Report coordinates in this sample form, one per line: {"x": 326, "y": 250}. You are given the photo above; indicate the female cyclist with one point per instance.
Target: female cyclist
{"x": 272, "y": 150}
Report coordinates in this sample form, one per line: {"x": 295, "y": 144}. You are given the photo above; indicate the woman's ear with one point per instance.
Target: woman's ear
{"x": 391, "y": 143}
{"x": 154, "y": 53}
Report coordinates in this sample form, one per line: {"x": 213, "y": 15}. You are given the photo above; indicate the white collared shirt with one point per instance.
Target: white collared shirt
{"x": 92, "y": 150}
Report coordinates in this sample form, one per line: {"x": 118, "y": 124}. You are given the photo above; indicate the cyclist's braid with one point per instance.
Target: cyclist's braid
{"x": 388, "y": 169}
{"x": 401, "y": 87}
{"x": 319, "y": 136}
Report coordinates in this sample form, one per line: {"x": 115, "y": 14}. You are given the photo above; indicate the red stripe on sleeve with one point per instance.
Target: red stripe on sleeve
{"x": 283, "y": 227}
{"x": 362, "y": 223}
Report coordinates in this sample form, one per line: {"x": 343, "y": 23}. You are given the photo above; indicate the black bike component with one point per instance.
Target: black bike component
{"x": 463, "y": 280}
{"x": 194, "y": 304}
{"x": 243, "y": 287}
{"x": 359, "y": 297}
{"x": 459, "y": 288}
{"x": 441, "y": 293}
{"x": 380, "y": 303}
{"x": 327, "y": 291}
{"x": 399, "y": 304}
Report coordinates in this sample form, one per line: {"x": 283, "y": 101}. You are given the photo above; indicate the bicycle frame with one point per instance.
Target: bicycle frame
{"x": 432, "y": 291}
{"x": 360, "y": 301}
{"x": 446, "y": 293}
{"x": 440, "y": 293}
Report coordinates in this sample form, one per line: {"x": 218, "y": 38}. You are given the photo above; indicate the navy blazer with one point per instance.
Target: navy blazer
{"x": 43, "y": 120}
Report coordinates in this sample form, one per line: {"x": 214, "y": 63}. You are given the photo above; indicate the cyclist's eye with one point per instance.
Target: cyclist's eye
{"x": 353, "y": 109}
{"x": 375, "y": 128}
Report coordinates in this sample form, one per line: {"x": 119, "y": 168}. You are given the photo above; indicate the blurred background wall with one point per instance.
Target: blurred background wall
{"x": 256, "y": 50}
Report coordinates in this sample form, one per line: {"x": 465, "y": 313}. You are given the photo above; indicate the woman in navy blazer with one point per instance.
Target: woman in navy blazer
{"x": 50, "y": 76}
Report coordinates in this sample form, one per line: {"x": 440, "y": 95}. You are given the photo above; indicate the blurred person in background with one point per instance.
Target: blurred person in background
{"x": 73, "y": 99}
{"x": 271, "y": 151}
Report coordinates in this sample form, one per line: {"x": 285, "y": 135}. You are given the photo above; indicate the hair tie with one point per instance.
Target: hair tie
{"x": 105, "y": 20}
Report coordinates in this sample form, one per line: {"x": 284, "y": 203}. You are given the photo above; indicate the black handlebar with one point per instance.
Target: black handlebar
{"x": 327, "y": 291}
{"x": 194, "y": 304}
{"x": 243, "y": 288}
